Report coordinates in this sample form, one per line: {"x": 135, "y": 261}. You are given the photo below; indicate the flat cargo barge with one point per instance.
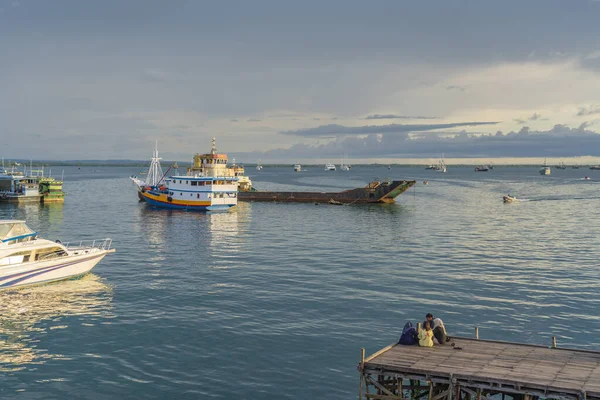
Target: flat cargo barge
{"x": 374, "y": 192}
{"x": 473, "y": 369}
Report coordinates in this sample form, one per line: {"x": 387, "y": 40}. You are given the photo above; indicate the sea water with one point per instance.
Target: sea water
{"x": 276, "y": 300}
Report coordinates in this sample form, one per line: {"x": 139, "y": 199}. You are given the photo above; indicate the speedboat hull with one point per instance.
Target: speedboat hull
{"x": 36, "y": 273}
{"x": 509, "y": 199}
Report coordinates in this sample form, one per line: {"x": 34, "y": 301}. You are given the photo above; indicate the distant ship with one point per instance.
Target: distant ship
{"x": 297, "y": 168}
{"x": 329, "y": 167}
{"x": 545, "y": 170}
{"x": 482, "y": 168}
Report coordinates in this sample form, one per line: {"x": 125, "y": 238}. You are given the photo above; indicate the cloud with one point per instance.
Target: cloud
{"x": 316, "y": 119}
{"x": 334, "y": 129}
{"x": 253, "y": 120}
{"x": 392, "y": 116}
{"x": 533, "y": 117}
{"x": 591, "y": 110}
{"x": 456, "y": 87}
{"x": 154, "y": 75}
{"x": 233, "y": 120}
{"x": 594, "y": 55}
{"x": 560, "y": 141}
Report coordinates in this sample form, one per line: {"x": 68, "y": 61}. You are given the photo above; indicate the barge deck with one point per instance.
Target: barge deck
{"x": 374, "y": 192}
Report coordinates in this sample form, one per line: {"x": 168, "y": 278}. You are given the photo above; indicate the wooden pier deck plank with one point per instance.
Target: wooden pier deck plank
{"x": 520, "y": 365}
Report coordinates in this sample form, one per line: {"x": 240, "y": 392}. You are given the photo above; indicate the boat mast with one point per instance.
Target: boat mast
{"x": 155, "y": 173}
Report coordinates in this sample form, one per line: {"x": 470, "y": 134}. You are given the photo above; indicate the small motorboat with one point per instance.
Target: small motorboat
{"x": 425, "y": 183}
{"x": 586, "y": 178}
{"x": 335, "y": 202}
{"x": 26, "y": 259}
{"x": 509, "y": 199}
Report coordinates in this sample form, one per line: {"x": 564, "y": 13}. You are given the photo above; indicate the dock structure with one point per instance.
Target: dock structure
{"x": 473, "y": 369}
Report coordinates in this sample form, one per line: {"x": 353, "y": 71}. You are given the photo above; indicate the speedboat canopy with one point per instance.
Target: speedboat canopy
{"x": 15, "y": 230}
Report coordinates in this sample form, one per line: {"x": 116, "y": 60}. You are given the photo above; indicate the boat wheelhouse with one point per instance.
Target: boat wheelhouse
{"x": 26, "y": 259}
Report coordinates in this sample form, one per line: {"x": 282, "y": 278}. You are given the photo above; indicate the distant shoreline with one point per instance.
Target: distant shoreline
{"x": 582, "y": 162}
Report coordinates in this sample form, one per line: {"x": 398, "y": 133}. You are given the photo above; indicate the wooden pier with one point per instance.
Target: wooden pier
{"x": 473, "y": 369}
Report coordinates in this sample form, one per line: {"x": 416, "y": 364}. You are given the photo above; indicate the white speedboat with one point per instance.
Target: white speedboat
{"x": 329, "y": 167}
{"x": 27, "y": 260}
{"x": 297, "y": 168}
{"x": 509, "y": 199}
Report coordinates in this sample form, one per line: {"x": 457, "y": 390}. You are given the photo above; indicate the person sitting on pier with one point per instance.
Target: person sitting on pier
{"x": 439, "y": 330}
{"x": 426, "y": 335}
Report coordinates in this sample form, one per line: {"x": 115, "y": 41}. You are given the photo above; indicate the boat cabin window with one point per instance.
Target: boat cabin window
{"x": 194, "y": 183}
{"x": 16, "y": 258}
{"x": 50, "y": 253}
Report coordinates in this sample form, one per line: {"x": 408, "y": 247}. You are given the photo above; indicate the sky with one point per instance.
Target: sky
{"x": 299, "y": 81}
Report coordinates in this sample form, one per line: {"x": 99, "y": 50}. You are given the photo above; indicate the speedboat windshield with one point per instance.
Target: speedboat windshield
{"x": 15, "y": 230}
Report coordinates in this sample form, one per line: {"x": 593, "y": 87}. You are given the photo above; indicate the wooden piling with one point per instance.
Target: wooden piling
{"x": 553, "y": 342}
{"x": 477, "y": 333}
{"x": 361, "y": 367}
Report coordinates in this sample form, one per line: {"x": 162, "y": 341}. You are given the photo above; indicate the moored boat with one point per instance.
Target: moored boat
{"x": 297, "y": 168}
{"x": 509, "y": 199}
{"x": 51, "y": 190}
{"x": 19, "y": 189}
{"x": 210, "y": 185}
{"x": 26, "y": 259}
{"x": 482, "y": 168}
{"x": 374, "y": 192}
{"x": 329, "y": 167}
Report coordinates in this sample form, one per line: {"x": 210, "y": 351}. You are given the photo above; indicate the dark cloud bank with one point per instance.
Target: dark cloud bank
{"x": 560, "y": 141}
{"x": 334, "y": 129}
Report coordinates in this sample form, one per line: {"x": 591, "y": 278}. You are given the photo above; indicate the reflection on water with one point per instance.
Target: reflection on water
{"x": 29, "y": 313}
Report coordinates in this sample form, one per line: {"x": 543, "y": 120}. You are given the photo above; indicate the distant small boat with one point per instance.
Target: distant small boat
{"x": 425, "y": 183}
{"x": 430, "y": 167}
{"x": 509, "y": 199}
{"x": 561, "y": 166}
{"x": 545, "y": 170}
{"x": 259, "y": 166}
{"x": 389, "y": 167}
{"x": 345, "y": 167}
{"x": 594, "y": 166}
{"x": 297, "y": 167}
{"x": 482, "y": 168}
{"x": 586, "y": 178}
{"x": 574, "y": 166}
{"x": 329, "y": 167}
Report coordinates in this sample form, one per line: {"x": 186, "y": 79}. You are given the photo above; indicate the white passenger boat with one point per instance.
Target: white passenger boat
{"x": 329, "y": 167}
{"x": 297, "y": 168}
{"x": 26, "y": 259}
